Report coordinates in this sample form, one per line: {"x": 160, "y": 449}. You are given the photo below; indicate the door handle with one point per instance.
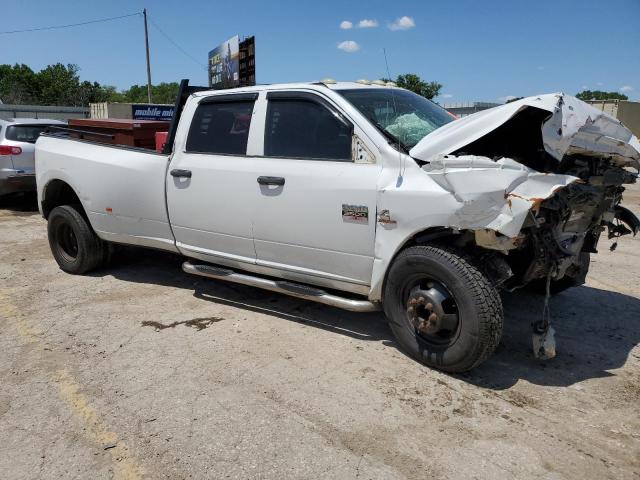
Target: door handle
{"x": 271, "y": 180}
{"x": 177, "y": 172}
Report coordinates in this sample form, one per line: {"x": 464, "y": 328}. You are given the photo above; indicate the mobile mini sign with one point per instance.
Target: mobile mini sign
{"x": 152, "y": 112}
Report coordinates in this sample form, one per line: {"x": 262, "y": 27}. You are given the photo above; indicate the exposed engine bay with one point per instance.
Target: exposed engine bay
{"x": 559, "y": 166}
{"x": 564, "y": 229}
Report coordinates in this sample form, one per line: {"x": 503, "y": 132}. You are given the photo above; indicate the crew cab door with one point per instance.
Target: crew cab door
{"x": 211, "y": 180}
{"x": 315, "y": 211}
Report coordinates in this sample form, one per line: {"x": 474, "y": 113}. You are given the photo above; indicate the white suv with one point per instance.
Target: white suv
{"x": 17, "y": 148}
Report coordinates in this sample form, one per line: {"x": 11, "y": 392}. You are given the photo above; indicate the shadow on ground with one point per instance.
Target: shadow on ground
{"x": 595, "y": 329}
{"x": 19, "y": 203}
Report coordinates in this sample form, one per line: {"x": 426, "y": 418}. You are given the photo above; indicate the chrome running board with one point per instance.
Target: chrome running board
{"x": 281, "y": 286}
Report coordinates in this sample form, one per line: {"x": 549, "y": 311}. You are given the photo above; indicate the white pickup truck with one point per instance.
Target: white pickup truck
{"x": 357, "y": 195}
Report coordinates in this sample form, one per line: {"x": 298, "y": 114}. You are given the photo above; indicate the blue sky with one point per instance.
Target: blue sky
{"x": 479, "y": 50}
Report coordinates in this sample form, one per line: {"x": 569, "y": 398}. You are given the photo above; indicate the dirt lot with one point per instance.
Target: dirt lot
{"x": 142, "y": 371}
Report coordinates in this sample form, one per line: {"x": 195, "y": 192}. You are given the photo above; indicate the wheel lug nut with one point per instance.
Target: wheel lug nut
{"x": 421, "y": 300}
{"x": 429, "y": 306}
{"x": 413, "y": 302}
{"x": 433, "y": 318}
{"x": 411, "y": 310}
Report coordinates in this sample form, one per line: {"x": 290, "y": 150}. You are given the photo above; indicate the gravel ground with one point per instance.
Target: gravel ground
{"x": 142, "y": 371}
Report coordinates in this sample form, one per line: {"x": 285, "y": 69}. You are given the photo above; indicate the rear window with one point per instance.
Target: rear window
{"x": 221, "y": 128}
{"x": 24, "y": 133}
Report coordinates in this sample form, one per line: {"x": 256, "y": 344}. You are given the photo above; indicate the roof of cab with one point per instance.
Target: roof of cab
{"x": 300, "y": 85}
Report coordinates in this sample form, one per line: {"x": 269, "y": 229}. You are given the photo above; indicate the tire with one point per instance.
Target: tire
{"x": 74, "y": 245}
{"x": 468, "y": 310}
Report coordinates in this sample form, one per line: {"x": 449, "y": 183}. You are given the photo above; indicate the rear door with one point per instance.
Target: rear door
{"x": 211, "y": 180}
{"x": 24, "y": 136}
{"x": 315, "y": 211}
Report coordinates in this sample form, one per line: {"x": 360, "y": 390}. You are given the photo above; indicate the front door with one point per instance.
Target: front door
{"x": 316, "y": 208}
{"x": 210, "y": 181}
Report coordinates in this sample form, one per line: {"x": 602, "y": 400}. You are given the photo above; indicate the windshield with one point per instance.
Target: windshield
{"x": 24, "y": 133}
{"x": 400, "y": 114}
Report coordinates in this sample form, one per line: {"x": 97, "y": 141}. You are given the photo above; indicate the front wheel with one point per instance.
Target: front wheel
{"x": 442, "y": 310}
{"x": 74, "y": 245}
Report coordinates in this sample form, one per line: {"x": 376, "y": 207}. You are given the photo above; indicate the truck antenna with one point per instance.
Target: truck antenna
{"x": 393, "y": 98}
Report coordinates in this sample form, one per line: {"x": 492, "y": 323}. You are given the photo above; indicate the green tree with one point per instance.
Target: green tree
{"x": 165, "y": 92}
{"x": 413, "y": 82}
{"x": 61, "y": 85}
{"x": 161, "y": 93}
{"x": 600, "y": 95}
{"x": 58, "y": 85}
{"x": 93, "y": 92}
{"x": 17, "y": 84}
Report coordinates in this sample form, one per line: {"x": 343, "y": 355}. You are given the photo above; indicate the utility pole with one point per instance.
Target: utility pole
{"x": 146, "y": 44}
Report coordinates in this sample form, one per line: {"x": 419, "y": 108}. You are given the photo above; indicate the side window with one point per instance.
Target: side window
{"x": 220, "y": 128}
{"x": 299, "y": 128}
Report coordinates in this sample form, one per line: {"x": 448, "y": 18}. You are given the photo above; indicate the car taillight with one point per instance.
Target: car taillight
{"x": 9, "y": 150}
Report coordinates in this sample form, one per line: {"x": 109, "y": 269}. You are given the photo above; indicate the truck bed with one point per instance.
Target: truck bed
{"x": 121, "y": 188}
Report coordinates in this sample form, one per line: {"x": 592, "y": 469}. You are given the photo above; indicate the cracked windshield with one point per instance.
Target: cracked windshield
{"x": 400, "y": 115}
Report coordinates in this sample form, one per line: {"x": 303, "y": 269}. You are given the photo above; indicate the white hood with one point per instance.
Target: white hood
{"x": 573, "y": 127}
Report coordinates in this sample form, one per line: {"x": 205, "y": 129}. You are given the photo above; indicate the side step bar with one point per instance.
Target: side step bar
{"x": 281, "y": 286}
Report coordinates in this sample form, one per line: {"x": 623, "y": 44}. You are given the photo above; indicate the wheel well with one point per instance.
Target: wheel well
{"x": 457, "y": 238}
{"x": 437, "y": 234}
{"x": 58, "y": 192}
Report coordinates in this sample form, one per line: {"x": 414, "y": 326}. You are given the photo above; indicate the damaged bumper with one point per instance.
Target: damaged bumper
{"x": 493, "y": 195}
{"x": 540, "y": 179}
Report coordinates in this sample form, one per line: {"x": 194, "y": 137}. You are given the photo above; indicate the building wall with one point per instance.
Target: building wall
{"x": 629, "y": 114}
{"x": 42, "y": 111}
{"x": 123, "y": 110}
{"x": 110, "y": 110}
{"x": 625, "y": 111}
{"x": 467, "y": 108}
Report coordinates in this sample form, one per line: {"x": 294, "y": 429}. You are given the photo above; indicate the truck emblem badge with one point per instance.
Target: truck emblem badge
{"x": 355, "y": 213}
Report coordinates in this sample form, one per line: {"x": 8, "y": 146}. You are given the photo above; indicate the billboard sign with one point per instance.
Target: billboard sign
{"x": 224, "y": 66}
{"x": 152, "y": 112}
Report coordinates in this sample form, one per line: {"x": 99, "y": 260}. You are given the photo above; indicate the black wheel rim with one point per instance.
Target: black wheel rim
{"x": 431, "y": 311}
{"x": 67, "y": 242}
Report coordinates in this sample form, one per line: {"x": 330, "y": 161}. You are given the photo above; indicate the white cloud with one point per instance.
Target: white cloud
{"x": 445, "y": 95}
{"x": 402, "y": 23}
{"x": 366, "y": 23}
{"x": 585, "y": 87}
{"x": 506, "y": 98}
{"x": 626, "y": 88}
{"x": 346, "y": 25}
{"x": 349, "y": 46}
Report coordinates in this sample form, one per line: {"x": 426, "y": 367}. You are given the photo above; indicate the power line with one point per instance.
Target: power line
{"x": 55, "y": 27}
{"x": 184, "y": 52}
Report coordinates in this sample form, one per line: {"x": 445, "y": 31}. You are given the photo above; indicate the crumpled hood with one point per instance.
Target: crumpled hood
{"x": 573, "y": 127}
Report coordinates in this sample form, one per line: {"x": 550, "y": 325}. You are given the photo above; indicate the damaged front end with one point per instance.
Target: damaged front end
{"x": 562, "y": 230}
{"x": 538, "y": 180}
